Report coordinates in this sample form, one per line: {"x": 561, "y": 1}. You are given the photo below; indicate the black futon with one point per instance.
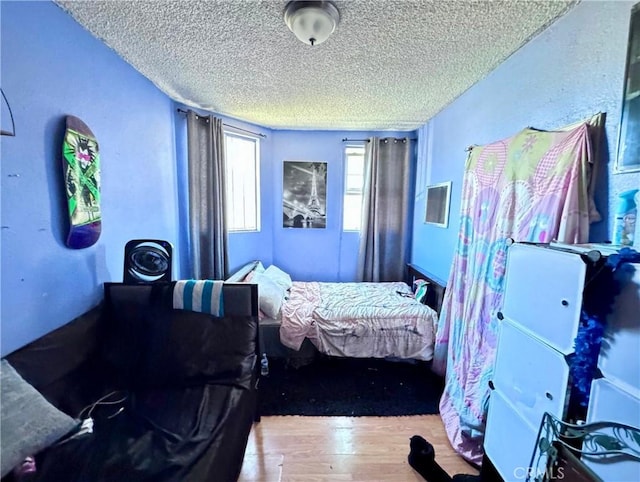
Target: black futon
{"x": 178, "y": 388}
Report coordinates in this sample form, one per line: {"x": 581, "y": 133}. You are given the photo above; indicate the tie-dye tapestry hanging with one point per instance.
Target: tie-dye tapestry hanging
{"x": 531, "y": 187}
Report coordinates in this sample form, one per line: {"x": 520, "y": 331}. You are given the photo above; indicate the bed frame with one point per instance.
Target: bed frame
{"x": 270, "y": 329}
{"x": 435, "y": 292}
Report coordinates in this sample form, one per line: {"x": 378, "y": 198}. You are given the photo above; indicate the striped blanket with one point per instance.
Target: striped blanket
{"x": 204, "y": 296}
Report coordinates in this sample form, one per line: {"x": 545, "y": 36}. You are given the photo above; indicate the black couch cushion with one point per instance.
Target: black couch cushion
{"x": 150, "y": 344}
{"x": 65, "y": 365}
{"x": 190, "y": 434}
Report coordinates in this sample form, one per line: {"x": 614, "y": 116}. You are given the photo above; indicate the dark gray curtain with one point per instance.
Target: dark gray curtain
{"x": 207, "y": 226}
{"x": 385, "y": 225}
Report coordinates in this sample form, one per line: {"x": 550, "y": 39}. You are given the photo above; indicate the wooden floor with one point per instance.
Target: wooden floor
{"x": 304, "y": 449}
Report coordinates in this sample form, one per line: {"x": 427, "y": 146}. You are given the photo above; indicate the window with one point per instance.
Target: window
{"x": 353, "y": 186}
{"x": 242, "y": 175}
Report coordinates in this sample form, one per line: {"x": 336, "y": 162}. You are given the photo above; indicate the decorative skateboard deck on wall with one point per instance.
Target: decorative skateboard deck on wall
{"x": 81, "y": 166}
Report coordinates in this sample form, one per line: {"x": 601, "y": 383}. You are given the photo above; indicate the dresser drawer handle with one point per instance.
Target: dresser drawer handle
{"x": 565, "y": 303}
{"x": 548, "y": 395}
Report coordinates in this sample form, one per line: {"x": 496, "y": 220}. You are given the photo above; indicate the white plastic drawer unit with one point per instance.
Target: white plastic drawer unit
{"x": 510, "y": 440}
{"x": 543, "y": 293}
{"x": 532, "y": 376}
{"x": 620, "y": 353}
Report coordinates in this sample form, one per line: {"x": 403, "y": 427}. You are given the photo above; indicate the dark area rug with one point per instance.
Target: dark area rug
{"x": 350, "y": 387}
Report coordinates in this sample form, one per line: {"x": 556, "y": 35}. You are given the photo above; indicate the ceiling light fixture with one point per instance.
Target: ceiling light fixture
{"x": 311, "y": 21}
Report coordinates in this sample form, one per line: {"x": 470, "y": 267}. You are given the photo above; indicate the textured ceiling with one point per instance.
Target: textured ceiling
{"x": 388, "y": 65}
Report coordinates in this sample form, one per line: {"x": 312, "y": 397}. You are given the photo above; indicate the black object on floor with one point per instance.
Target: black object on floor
{"x": 422, "y": 459}
{"x": 331, "y": 386}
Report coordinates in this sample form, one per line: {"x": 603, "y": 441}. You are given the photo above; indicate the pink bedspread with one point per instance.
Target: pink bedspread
{"x": 359, "y": 320}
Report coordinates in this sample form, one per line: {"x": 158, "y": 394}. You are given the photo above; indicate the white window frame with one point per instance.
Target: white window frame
{"x": 348, "y": 191}
{"x": 230, "y": 132}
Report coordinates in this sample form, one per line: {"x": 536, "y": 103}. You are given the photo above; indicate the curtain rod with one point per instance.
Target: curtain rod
{"x": 367, "y": 140}
{"x": 182, "y": 111}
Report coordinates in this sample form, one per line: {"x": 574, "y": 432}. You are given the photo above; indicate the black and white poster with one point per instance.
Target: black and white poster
{"x": 304, "y": 197}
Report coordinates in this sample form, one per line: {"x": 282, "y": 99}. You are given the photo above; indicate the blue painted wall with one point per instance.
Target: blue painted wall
{"x": 328, "y": 254}
{"x": 52, "y": 67}
{"x": 569, "y": 72}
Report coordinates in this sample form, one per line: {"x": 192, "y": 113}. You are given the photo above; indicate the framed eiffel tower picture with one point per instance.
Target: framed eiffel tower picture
{"x": 304, "y": 194}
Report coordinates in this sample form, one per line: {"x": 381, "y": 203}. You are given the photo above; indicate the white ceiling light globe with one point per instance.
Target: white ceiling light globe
{"x": 311, "y": 21}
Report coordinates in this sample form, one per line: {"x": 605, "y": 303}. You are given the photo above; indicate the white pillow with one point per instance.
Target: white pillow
{"x": 270, "y": 295}
{"x": 279, "y": 276}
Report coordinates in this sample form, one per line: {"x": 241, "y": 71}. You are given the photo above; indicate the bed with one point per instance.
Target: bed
{"x": 357, "y": 320}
